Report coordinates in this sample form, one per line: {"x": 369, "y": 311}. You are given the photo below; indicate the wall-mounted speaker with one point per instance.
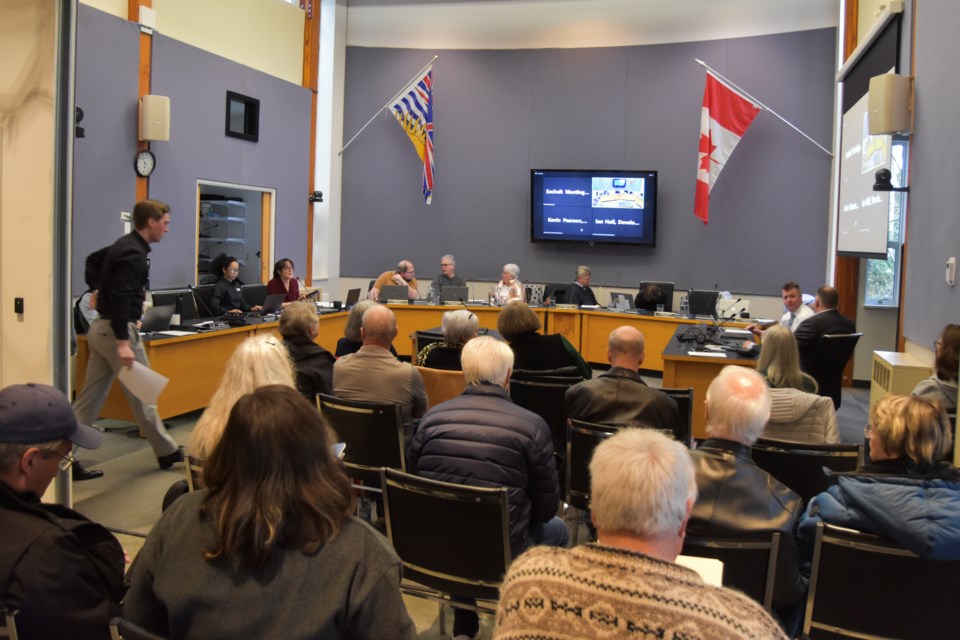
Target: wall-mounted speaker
{"x": 155, "y": 117}
{"x": 890, "y": 104}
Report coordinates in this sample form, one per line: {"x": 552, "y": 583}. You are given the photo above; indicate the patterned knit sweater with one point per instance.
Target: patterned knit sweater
{"x": 593, "y": 591}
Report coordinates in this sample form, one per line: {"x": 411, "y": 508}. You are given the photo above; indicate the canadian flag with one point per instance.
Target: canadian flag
{"x": 725, "y": 117}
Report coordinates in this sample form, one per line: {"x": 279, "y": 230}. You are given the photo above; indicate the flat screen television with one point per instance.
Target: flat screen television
{"x": 595, "y": 207}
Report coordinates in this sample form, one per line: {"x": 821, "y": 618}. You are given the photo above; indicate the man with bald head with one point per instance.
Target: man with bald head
{"x": 737, "y": 496}
{"x": 619, "y": 396}
{"x": 402, "y": 276}
{"x": 373, "y": 374}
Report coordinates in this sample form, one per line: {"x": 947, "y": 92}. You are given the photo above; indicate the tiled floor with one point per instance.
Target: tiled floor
{"x": 129, "y": 495}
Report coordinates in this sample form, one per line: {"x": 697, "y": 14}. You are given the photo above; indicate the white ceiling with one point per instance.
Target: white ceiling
{"x": 523, "y": 24}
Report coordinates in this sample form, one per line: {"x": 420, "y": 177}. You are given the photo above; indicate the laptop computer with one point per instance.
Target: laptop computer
{"x": 353, "y": 297}
{"x": 272, "y": 304}
{"x": 620, "y": 300}
{"x": 394, "y": 293}
{"x": 454, "y": 294}
{"x": 157, "y": 319}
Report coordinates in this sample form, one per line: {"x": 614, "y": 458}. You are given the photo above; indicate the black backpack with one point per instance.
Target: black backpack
{"x": 91, "y": 276}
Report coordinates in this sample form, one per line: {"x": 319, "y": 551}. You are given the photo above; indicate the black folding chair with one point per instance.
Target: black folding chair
{"x": 453, "y": 540}
{"x": 749, "y": 560}
{"x": 800, "y": 466}
{"x": 582, "y": 439}
{"x": 829, "y": 359}
{"x": 373, "y": 433}
{"x": 865, "y": 586}
{"x": 684, "y": 400}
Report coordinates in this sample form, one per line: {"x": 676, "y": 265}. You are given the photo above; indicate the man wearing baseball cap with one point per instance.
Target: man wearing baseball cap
{"x": 62, "y": 572}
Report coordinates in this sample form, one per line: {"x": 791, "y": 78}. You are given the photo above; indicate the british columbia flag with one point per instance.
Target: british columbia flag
{"x": 413, "y": 109}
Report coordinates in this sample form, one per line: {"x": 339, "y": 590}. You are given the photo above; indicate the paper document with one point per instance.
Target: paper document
{"x": 176, "y": 333}
{"x": 707, "y": 354}
{"x": 710, "y": 569}
{"x": 143, "y": 382}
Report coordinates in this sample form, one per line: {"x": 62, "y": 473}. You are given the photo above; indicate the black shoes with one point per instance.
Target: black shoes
{"x": 81, "y": 473}
{"x": 170, "y": 459}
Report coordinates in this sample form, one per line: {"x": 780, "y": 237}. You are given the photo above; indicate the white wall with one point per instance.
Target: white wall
{"x": 27, "y": 98}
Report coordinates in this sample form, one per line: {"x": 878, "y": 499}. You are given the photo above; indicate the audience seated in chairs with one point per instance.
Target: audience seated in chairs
{"x": 518, "y": 325}
{"x": 351, "y": 341}
{"x": 269, "y": 549}
{"x": 314, "y": 364}
{"x": 626, "y": 585}
{"x": 260, "y": 360}
{"x": 796, "y": 416}
{"x": 458, "y": 327}
{"x": 481, "y": 438}
{"x": 60, "y": 571}
{"x": 942, "y": 385}
{"x": 907, "y": 492}
{"x": 619, "y": 396}
{"x": 779, "y": 361}
{"x": 736, "y": 496}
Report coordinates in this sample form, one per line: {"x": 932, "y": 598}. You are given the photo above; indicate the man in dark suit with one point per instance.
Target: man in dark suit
{"x": 619, "y": 396}
{"x": 827, "y": 320}
{"x": 580, "y": 292}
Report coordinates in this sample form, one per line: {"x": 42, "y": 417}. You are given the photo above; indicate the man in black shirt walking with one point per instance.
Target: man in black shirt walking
{"x": 114, "y": 340}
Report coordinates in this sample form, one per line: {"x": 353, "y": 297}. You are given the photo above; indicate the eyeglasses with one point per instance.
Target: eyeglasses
{"x": 66, "y": 461}
{"x": 868, "y": 430}
{"x": 445, "y": 264}
{"x": 233, "y": 270}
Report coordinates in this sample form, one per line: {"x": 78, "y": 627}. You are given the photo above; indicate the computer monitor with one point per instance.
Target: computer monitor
{"x": 653, "y": 293}
{"x": 555, "y": 292}
{"x": 703, "y": 303}
{"x": 353, "y": 297}
{"x": 394, "y": 293}
{"x": 204, "y": 297}
{"x": 170, "y": 297}
{"x": 157, "y": 319}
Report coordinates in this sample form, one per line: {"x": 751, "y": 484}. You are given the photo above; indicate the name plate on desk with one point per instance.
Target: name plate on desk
{"x": 665, "y": 314}
{"x": 566, "y": 306}
{"x": 404, "y": 301}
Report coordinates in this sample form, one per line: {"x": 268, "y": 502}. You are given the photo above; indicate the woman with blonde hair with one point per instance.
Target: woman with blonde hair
{"x": 907, "y": 492}
{"x": 269, "y": 549}
{"x": 259, "y": 361}
{"x": 780, "y": 361}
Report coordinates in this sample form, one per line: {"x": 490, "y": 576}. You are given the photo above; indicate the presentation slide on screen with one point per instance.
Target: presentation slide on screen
{"x": 863, "y": 212}
{"x": 593, "y": 207}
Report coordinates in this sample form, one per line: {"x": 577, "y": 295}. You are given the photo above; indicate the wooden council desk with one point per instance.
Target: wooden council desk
{"x": 682, "y": 370}
{"x": 195, "y": 363}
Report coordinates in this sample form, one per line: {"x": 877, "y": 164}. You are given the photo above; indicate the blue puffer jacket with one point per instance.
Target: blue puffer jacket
{"x": 482, "y": 439}
{"x": 920, "y": 513}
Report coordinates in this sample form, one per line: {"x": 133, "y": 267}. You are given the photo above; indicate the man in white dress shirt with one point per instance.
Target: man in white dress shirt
{"x": 795, "y": 313}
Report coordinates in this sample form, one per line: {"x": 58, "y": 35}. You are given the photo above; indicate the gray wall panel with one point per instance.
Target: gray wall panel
{"x": 933, "y": 232}
{"x": 106, "y": 89}
{"x": 500, "y": 113}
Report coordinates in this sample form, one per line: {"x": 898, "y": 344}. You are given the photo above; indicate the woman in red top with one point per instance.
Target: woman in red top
{"x": 284, "y": 282}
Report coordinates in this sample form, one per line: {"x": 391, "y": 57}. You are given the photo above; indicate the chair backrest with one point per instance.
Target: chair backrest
{"x": 684, "y": 399}
{"x": 372, "y": 431}
{"x": 423, "y": 338}
{"x": 204, "y": 298}
{"x": 864, "y": 586}
{"x": 555, "y": 292}
{"x": 450, "y": 537}
{"x": 193, "y": 467}
{"x": 254, "y": 294}
{"x": 8, "y": 624}
{"x": 546, "y": 400}
{"x": 800, "y": 466}
{"x": 534, "y": 294}
{"x": 563, "y": 375}
{"x": 441, "y": 385}
{"x": 582, "y": 439}
{"x": 829, "y": 359}
{"x": 121, "y": 629}
{"x": 749, "y": 560}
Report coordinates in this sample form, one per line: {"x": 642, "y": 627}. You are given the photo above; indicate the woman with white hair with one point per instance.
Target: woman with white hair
{"x": 458, "y": 327}
{"x": 509, "y": 287}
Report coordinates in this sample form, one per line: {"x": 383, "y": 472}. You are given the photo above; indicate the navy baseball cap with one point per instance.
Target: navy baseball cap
{"x": 34, "y": 413}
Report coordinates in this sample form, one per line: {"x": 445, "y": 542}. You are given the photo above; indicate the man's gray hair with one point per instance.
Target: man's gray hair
{"x": 641, "y": 481}
{"x": 738, "y": 405}
{"x": 512, "y": 269}
{"x": 459, "y": 326}
{"x": 486, "y": 360}
{"x": 583, "y": 270}
{"x": 449, "y": 258}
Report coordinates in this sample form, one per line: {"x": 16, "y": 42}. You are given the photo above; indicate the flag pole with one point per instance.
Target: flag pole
{"x": 760, "y": 104}
{"x": 386, "y": 105}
